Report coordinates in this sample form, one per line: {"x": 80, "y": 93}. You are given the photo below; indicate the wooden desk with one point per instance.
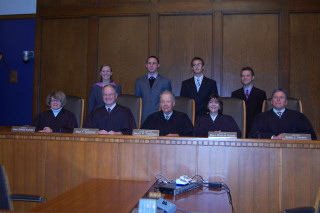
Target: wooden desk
{"x": 263, "y": 175}
{"x": 98, "y": 195}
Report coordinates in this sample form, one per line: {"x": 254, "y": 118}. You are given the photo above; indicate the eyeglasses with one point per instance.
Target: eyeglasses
{"x": 55, "y": 100}
{"x": 197, "y": 65}
{"x": 152, "y": 63}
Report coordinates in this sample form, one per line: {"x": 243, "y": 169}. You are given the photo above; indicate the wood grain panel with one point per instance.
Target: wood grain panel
{"x": 303, "y": 162}
{"x": 143, "y": 161}
{"x": 64, "y": 57}
{"x": 250, "y": 40}
{"x": 233, "y": 166}
{"x": 305, "y": 66}
{"x": 263, "y": 175}
{"x": 180, "y": 39}
{"x": 123, "y": 43}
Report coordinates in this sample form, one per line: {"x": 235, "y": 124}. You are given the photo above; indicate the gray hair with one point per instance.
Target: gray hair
{"x": 57, "y": 95}
{"x": 168, "y": 92}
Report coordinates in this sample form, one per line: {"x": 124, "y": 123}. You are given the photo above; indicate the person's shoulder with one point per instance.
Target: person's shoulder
{"x": 163, "y": 78}
{"x": 257, "y": 90}
{"x": 188, "y": 80}
{"x": 294, "y": 112}
{"x": 208, "y": 79}
{"x": 237, "y": 91}
{"x": 142, "y": 78}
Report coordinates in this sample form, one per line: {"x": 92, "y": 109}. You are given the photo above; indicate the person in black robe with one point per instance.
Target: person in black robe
{"x": 57, "y": 119}
{"x": 169, "y": 121}
{"x": 271, "y": 125}
{"x": 179, "y": 123}
{"x": 252, "y": 96}
{"x": 215, "y": 121}
{"x": 112, "y": 118}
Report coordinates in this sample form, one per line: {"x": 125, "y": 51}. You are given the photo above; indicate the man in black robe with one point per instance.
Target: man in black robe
{"x": 111, "y": 119}
{"x": 273, "y": 123}
{"x": 169, "y": 121}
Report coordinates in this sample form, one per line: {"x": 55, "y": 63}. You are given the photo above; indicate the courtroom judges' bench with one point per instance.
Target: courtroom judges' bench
{"x": 263, "y": 175}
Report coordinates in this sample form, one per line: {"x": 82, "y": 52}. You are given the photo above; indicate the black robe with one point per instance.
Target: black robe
{"x": 179, "y": 123}
{"x": 268, "y": 124}
{"x": 64, "y": 122}
{"x": 120, "y": 119}
{"x": 223, "y": 123}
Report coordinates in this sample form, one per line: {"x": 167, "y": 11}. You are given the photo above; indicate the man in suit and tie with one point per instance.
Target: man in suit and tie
{"x": 278, "y": 120}
{"x": 198, "y": 87}
{"x": 252, "y": 96}
{"x": 150, "y": 86}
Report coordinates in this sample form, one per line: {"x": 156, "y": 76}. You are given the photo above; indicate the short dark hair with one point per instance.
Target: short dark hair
{"x": 152, "y": 56}
{"x": 197, "y": 58}
{"x": 247, "y": 68}
{"x": 219, "y": 99}
{"x": 280, "y": 90}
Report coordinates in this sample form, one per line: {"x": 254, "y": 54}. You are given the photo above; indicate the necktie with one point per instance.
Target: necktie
{"x": 151, "y": 81}
{"x": 198, "y": 84}
{"x": 279, "y": 114}
{"x": 247, "y": 94}
{"x": 167, "y": 117}
{"x": 109, "y": 110}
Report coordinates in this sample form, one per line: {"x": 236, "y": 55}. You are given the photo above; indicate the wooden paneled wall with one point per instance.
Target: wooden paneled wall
{"x": 278, "y": 38}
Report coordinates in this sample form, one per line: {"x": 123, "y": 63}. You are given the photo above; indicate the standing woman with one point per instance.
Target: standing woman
{"x": 95, "y": 98}
{"x": 215, "y": 120}
{"x": 57, "y": 119}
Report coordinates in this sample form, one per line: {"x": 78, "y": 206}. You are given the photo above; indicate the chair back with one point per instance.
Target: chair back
{"x": 317, "y": 202}
{"x": 293, "y": 104}
{"x": 186, "y": 105}
{"x": 134, "y": 103}
{"x": 236, "y": 108}
{"x": 76, "y": 106}
{"x": 5, "y": 202}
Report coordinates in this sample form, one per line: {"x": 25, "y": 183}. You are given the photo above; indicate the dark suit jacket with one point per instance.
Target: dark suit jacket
{"x": 253, "y": 104}
{"x": 189, "y": 90}
{"x": 151, "y": 96}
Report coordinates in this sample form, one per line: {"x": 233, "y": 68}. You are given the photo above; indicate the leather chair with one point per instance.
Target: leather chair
{"x": 134, "y": 103}
{"x": 293, "y": 104}
{"x": 76, "y": 106}
{"x": 311, "y": 209}
{"x": 6, "y": 197}
{"x": 186, "y": 105}
{"x": 237, "y": 109}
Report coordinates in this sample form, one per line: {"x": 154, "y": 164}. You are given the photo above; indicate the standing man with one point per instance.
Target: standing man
{"x": 112, "y": 118}
{"x": 149, "y": 87}
{"x": 169, "y": 121}
{"x": 253, "y": 96}
{"x": 198, "y": 87}
{"x": 272, "y": 123}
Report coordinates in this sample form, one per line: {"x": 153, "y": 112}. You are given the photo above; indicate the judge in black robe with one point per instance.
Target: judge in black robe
{"x": 64, "y": 122}
{"x": 278, "y": 120}
{"x": 57, "y": 119}
{"x": 179, "y": 123}
{"x": 269, "y": 124}
{"x": 120, "y": 119}
{"x": 223, "y": 123}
